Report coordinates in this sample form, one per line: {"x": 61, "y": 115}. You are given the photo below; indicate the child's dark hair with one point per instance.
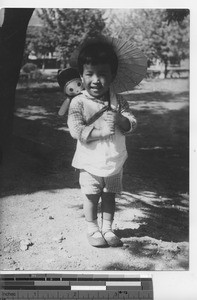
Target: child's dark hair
{"x": 97, "y": 52}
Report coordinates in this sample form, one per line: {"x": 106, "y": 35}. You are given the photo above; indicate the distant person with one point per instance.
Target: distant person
{"x": 101, "y": 150}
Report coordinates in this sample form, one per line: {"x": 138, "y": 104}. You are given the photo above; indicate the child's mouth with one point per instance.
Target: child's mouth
{"x": 95, "y": 88}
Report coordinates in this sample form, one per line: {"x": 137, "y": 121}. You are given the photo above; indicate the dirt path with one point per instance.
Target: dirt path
{"x": 51, "y": 224}
{"x": 42, "y": 223}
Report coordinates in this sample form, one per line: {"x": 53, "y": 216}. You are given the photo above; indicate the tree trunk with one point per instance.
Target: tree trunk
{"x": 12, "y": 42}
{"x": 166, "y": 68}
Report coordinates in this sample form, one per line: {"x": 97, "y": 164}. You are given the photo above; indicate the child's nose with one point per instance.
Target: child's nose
{"x": 95, "y": 79}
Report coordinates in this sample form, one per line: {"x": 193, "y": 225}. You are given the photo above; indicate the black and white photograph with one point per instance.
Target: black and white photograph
{"x": 91, "y": 97}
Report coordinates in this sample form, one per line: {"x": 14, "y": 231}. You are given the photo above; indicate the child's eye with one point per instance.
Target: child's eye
{"x": 71, "y": 90}
{"x": 79, "y": 83}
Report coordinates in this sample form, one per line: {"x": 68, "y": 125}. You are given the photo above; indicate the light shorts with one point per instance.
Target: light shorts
{"x": 92, "y": 184}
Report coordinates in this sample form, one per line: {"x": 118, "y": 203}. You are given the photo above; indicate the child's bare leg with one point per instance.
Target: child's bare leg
{"x": 108, "y": 206}
{"x": 108, "y": 210}
{"x": 90, "y": 206}
{"x": 90, "y": 211}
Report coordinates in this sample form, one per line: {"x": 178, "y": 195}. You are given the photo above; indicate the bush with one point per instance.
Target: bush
{"x": 29, "y": 67}
{"x": 30, "y": 72}
{"x": 35, "y": 75}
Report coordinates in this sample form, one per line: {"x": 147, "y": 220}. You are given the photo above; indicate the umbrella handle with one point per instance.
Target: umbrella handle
{"x": 109, "y": 106}
{"x": 109, "y": 101}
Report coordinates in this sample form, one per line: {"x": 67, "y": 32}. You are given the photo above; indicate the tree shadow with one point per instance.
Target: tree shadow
{"x": 158, "y": 217}
{"x": 42, "y": 151}
{"x": 38, "y": 158}
{"x": 152, "y": 254}
{"x": 165, "y": 229}
{"x": 156, "y": 173}
{"x": 158, "y": 96}
{"x": 159, "y": 232}
{"x": 179, "y": 265}
{"x": 124, "y": 267}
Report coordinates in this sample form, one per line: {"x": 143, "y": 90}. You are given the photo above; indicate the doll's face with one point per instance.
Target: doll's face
{"x": 73, "y": 88}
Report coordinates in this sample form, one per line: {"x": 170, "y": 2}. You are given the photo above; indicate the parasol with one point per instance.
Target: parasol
{"x": 132, "y": 63}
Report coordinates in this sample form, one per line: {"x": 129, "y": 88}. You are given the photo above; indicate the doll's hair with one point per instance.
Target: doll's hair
{"x": 97, "y": 51}
{"x": 66, "y": 75}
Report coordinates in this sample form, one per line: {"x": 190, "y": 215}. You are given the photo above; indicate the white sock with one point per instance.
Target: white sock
{"x": 106, "y": 225}
{"x": 92, "y": 226}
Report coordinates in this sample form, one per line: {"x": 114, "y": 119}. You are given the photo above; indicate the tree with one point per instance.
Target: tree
{"x": 37, "y": 41}
{"x": 64, "y": 29}
{"x": 176, "y": 15}
{"x": 12, "y": 41}
{"x": 151, "y": 30}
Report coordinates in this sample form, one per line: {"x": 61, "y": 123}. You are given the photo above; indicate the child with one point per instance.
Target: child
{"x": 101, "y": 150}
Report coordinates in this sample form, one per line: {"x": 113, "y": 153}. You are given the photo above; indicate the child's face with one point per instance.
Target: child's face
{"x": 73, "y": 88}
{"x": 97, "y": 79}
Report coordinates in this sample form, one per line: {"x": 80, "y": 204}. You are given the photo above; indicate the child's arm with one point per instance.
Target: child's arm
{"x": 98, "y": 134}
{"x": 125, "y": 119}
{"x": 120, "y": 120}
{"x": 123, "y": 122}
{"x": 78, "y": 128}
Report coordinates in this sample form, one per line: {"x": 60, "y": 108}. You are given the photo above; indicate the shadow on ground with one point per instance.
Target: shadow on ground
{"x": 43, "y": 149}
{"x": 156, "y": 173}
{"x": 164, "y": 219}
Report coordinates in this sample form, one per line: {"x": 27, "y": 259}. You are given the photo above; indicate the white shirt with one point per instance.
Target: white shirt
{"x": 104, "y": 157}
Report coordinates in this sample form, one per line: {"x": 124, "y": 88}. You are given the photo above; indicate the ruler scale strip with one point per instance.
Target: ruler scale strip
{"x": 74, "y": 286}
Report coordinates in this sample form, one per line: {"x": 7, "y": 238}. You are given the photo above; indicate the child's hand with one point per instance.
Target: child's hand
{"x": 115, "y": 118}
{"x": 101, "y": 133}
{"x": 110, "y": 118}
{"x": 107, "y": 131}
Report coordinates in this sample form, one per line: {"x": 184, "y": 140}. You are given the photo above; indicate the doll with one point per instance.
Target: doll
{"x": 70, "y": 84}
